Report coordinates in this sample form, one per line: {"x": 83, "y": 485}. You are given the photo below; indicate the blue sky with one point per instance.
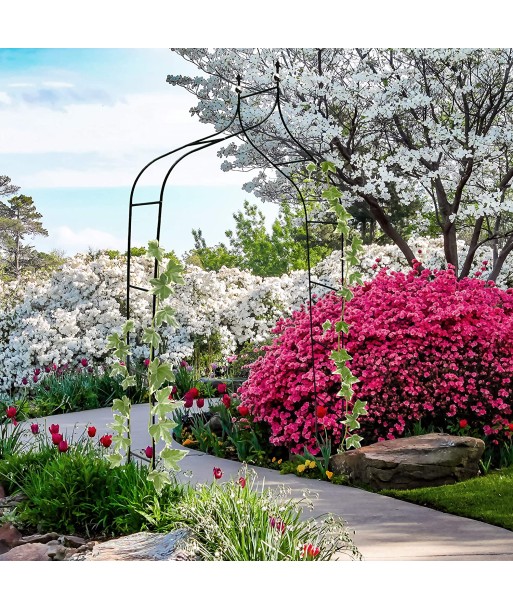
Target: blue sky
{"x": 77, "y": 125}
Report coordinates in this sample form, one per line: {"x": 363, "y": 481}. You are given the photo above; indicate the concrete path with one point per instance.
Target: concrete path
{"x": 384, "y": 528}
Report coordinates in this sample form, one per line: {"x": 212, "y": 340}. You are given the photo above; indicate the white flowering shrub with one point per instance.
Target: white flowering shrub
{"x": 68, "y": 315}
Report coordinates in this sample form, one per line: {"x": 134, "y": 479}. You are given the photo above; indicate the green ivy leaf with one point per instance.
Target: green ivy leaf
{"x": 353, "y": 441}
{"x": 160, "y": 287}
{"x": 128, "y": 326}
{"x": 129, "y": 381}
{"x": 118, "y": 370}
{"x": 159, "y": 374}
{"x": 123, "y": 405}
{"x": 351, "y": 422}
{"x": 113, "y": 341}
{"x": 171, "y": 456}
{"x": 340, "y": 356}
{"x": 162, "y": 431}
{"x": 342, "y": 326}
{"x": 151, "y": 337}
{"x": 326, "y": 325}
{"x": 114, "y": 460}
{"x": 331, "y": 193}
{"x": 359, "y": 408}
{"x": 346, "y": 294}
{"x": 155, "y": 250}
{"x": 328, "y": 166}
{"x": 166, "y": 315}
{"x": 159, "y": 479}
{"x": 311, "y": 167}
{"x": 174, "y": 272}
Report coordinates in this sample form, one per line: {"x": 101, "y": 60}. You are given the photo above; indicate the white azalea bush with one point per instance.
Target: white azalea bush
{"x": 68, "y": 315}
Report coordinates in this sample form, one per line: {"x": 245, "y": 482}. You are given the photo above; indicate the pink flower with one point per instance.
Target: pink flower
{"x": 146, "y": 362}
{"x": 277, "y": 524}
{"x": 47, "y": 369}
{"x": 24, "y": 380}
{"x": 35, "y": 378}
{"x": 91, "y": 431}
{"x": 221, "y": 388}
{"x": 63, "y": 446}
{"x": 34, "y": 428}
{"x": 218, "y": 474}
{"x": 148, "y": 451}
{"x": 54, "y": 428}
{"x": 242, "y": 481}
{"x": 183, "y": 364}
{"x": 37, "y": 372}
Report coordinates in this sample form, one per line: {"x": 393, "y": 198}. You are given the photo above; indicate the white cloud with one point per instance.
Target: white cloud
{"x": 54, "y": 84}
{"x": 82, "y": 240}
{"x": 120, "y": 138}
{"x": 21, "y": 84}
{"x": 5, "y": 98}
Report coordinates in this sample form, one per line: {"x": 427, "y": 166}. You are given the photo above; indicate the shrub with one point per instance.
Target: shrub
{"x": 425, "y": 346}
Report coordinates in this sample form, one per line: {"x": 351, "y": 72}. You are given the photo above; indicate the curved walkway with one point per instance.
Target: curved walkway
{"x": 384, "y": 528}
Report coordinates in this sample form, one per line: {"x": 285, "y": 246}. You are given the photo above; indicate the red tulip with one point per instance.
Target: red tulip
{"x": 510, "y": 426}
{"x": 35, "y": 378}
{"x": 217, "y": 473}
{"x": 37, "y": 372}
{"x": 227, "y": 400}
{"x": 243, "y": 410}
{"x": 91, "y": 432}
{"x": 34, "y": 428}
{"x": 310, "y": 551}
{"x": 24, "y": 380}
{"x": 148, "y": 451}
{"x": 183, "y": 364}
{"x": 84, "y": 362}
{"x": 242, "y": 481}
{"x": 277, "y": 524}
{"x": 56, "y": 438}
{"x": 53, "y": 428}
{"x": 11, "y": 412}
{"x": 221, "y": 388}
{"x": 106, "y": 441}
{"x": 322, "y": 411}
{"x": 63, "y": 446}
{"x": 463, "y": 423}
{"x": 188, "y": 402}
{"x": 146, "y": 362}
{"x": 47, "y": 369}
{"x": 193, "y": 393}
{"x": 200, "y": 402}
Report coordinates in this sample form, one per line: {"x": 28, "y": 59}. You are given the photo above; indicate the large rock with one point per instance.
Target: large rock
{"x": 28, "y": 551}
{"x": 143, "y": 546}
{"x": 9, "y": 537}
{"x": 430, "y": 460}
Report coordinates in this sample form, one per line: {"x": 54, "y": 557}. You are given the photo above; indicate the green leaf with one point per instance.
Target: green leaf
{"x": 331, "y": 193}
{"x": 128, "y": 326}
{"x": 351, "y": 422}
{"x": 346, "y": 294}
{"x": 166, "y": 315}
{"x": 174, "y": 272}
{"x": 162, "y": 431}
{"x": 160, "y": 286}
{"x": 159, "y": 374}
{"x": 118, "y": 370}
{"x": 353, "y": 441}
{"x": 328, "y": 166}
{"x": 123, "y": 405}
{"x": 342, "y": 326}
{"x": 114, "y": 460}
{"x": 171, "y": 456}
{"x": 340, "y": 356}
{"x": 359, "y": 408}
{"x": 326, "y": 325}
{"x": 311, "y": 167}
{"x": 155, "y": 250}
{"x": 129, "y": 381}
{"x": 151, "y": 337}
{"x": 346, "y": 392}
{"x": 159, "y": 479}
{"x": 113, "y": 341}
{"x": 355, "y": 277}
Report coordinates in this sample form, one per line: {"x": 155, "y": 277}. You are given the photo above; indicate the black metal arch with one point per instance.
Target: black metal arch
{"x": 216, "y": 138}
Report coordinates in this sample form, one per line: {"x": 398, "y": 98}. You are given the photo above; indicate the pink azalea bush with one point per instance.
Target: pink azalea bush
{"x": 425, "y": 346}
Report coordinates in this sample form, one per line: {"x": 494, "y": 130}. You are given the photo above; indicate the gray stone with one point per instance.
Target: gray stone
{"x": 142, "y": 546}
{"x": 28, "y": 551}
{"x": 419, "y": 461}
{"x": 9, "y": 535}
{"x": 215, "y": 425}
{"x": 40, "y": 538}
{"x": 71, "y": 541}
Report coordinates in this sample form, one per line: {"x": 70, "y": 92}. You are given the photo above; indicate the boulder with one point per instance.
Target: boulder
{"x": 28, "y": 551}
{"x": 9, "y": 537}
{"x": 143, "y": 546}
{"x": 430, "y": 460}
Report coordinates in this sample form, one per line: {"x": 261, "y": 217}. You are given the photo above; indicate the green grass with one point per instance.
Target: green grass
{"x": 487, "y": 498}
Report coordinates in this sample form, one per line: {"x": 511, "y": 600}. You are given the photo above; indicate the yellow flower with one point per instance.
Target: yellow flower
{"x": 273, "y": 459}
{"x": 301, "y": 468}
{"x": 188, "y": 442}
{"x": 329, "y": 475}
{"x": 307, "y": 463}
{"x": 312, "y": 464}
{"x": 279, "y": 461}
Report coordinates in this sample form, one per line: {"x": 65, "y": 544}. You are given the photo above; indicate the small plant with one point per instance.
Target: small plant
{"x": 10, "y": 431}
{"x": 243, "y": 520}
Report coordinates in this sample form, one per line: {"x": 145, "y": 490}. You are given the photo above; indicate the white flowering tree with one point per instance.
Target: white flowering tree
{"x": 427, "y": 130}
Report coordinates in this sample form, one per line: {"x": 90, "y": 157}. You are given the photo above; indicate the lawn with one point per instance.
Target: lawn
{"x": 487, "y": 498}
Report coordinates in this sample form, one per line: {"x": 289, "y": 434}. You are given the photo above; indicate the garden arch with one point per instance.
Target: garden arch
{"x": 237, "y": 127}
